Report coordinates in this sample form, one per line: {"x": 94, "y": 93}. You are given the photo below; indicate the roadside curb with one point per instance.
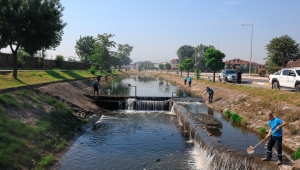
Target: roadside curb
{"x": 261, "y": 83}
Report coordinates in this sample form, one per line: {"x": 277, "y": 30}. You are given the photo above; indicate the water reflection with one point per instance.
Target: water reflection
{"x": 146, "y": 86}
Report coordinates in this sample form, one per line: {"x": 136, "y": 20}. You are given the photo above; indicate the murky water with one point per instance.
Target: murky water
{"x": 150, "y": 139}
{"x": 143, "y": 140}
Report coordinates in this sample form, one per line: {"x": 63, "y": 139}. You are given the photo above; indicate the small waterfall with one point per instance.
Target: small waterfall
{"x": 130, "y": 104}
{"x": 209, "y": 154}
{"x": 134, "y": 104}
{"x": 150, "y": 105}
{"x": 120, "y": 106}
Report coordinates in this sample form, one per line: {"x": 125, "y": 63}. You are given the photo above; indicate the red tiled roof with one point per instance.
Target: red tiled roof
{"x": 174, "y": 60}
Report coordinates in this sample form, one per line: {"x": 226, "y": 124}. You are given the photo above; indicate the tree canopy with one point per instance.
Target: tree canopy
{"x": 214, "y": 60}
{"x": 123, "y": 54}
{"x": 84, "y": 47}
{"x": 199, "y": 56}
{"x": 31, "y": 25}
{"x": 184, "y": 52}
{"x": 161, "y": 67}
{"x": 187, "y": 65}
{"x": 168, "y": 66}
{"x": 281, "y": 50}
{"x": 102, "y": 51}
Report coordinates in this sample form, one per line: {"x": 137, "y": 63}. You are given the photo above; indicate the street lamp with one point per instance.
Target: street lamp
{"x": 217, "y": 42}
{"x": 251, "y": 45}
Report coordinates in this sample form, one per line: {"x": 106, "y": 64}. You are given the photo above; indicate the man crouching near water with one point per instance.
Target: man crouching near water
{"x": 276, "y": 125}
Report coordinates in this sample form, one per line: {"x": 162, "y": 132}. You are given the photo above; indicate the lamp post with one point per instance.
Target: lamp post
{"x": 251, "y": 45}
{"x": 217, "y": 42}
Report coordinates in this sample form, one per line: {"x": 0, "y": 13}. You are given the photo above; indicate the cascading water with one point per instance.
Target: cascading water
{"x": 130, "y": 104}
{"x": 120, "y": 105}
{"x": 134, "y": 104}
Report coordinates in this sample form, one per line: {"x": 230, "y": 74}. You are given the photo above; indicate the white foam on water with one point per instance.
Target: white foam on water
{"x": 199, "y": 158}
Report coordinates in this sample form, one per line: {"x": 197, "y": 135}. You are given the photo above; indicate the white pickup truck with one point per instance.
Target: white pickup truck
{"x": 287, "y": 77}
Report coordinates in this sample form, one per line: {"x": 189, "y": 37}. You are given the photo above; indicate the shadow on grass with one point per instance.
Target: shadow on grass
{"x": 56, "y": 75}
{"x": 21, "y": 81}
{"x": 73, "y": 74}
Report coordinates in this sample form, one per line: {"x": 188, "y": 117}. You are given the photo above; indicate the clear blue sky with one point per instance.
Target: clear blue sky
{"x": 157, "y": 28}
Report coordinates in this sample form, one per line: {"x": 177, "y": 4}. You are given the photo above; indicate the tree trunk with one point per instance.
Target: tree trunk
{"x": 15, "y": 54}
{"x": 214, "y": 77}
{"x": 188, "y": 73}
{"x": 15, "y": 73}
{"x": 180, "y": 73}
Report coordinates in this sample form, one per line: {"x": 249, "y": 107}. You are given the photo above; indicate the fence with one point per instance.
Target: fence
{"x": 7, "y": 62}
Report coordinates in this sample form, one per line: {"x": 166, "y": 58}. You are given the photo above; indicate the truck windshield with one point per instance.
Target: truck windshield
{"x": 298, "y": 72}
{"x": 230, "y": 71}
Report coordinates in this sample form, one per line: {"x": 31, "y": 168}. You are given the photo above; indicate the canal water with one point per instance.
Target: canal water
{"x": 130, "y": 139}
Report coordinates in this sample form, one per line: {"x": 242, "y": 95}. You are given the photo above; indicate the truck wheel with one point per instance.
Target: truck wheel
{"x": 297, "y": 88}
{"x": 275, "y": 85}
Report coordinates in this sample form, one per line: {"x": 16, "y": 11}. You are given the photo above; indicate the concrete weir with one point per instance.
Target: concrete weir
{"x": 218, "y": 157}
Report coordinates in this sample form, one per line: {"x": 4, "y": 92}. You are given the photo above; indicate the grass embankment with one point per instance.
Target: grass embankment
{"x": 31, "y": 145}
{"x": 40, "y": 76}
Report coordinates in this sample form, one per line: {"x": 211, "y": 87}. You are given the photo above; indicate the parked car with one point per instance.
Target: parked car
{"x": 287, "y": 77}
{"x": 228, "y": 75}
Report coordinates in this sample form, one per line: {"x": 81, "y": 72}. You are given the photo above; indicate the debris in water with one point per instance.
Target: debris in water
{"x": 209, "y": 134}
{"x": 158, "y": 160}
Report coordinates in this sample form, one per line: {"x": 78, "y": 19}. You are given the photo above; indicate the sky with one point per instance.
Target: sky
{"x": 157, "y": 28}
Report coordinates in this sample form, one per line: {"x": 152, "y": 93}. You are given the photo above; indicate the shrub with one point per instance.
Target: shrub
{"x": 263, "y": 130}
{"x": 109, "y": 71}
{"x": 236, "y": 118}
{"x": 297, "y": 153}
{"x": 244, "y": 121}
{"x": 92, "y": 69}
{"x": 228, "y": 113}
{"x": 59, "y": 61}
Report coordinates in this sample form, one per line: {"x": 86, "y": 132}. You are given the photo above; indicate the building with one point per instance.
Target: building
{"x": 174, "y": 64}
{"x": 237, "y": 63}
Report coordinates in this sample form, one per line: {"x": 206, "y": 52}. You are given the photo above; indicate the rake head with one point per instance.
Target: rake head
{"x": 250, "y": 150}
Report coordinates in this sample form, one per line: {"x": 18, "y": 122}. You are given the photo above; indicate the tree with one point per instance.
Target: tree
{"x": 198, "y": 56}
{"x": 184, "y": 52}
{"x": 168, "y": 66}
{"x": 214, "y": 60}
{"x": 282, "y": 49}
{"x": 123, "y": 54}
{"x": 102, "y": 54}
{"x": 59, "y": 61}
{"x": 31, "y": 25}
{"x": 21, "y": 57}
{"x": 188, "y": 64}
{"x": 161, "y": 67}
{"x": 84, "y": 47}
{"x": 181, "y": 67}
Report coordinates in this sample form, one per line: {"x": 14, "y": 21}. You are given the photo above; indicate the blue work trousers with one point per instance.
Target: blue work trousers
{"x": 275, "y": 140}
